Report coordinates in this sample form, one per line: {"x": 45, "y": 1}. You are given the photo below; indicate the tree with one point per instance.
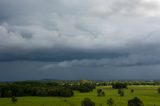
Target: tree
{"x": 158, "y": 90}
{"x": 135, "y": 102}
{"x": 83, "y": 88}
{"x": 100, "y": 92}
{"x": 119, "y": 85}
{"x": 14, "y": 99}
{"x": 87, "y": 102}
{"x": 121, "y": 92}
{"x": 110, "y": 102}
{"x": 132, "y": 90}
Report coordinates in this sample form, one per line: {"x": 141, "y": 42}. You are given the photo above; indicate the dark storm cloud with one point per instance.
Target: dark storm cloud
{"x": 15, "y": 71}
{"x": 80, "y": 33}
{"x": 56, "y": 55}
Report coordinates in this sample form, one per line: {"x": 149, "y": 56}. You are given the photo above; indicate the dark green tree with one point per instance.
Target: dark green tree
{"x": 119, "y": 85}
{"x": 87, "y": 102}
{"x": 121, "y": 92}
{"x": 158, "y": 90}
{"x": 135, "y": 102}
{"x": 14, "y": 99}
{"x": 132, "y": 90}
{"x": 110, "y": 102}
{"x": 100, "y": 92}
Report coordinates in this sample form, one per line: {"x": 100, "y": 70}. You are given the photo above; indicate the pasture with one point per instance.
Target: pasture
{"x": 148, "y": 94}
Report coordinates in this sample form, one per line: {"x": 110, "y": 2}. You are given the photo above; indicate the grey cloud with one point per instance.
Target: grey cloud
{"x": 106, "y": 38}
{"x": 63, "y": 30}
{"x": 125, "y": 61}
{"x": 31, "y": 71}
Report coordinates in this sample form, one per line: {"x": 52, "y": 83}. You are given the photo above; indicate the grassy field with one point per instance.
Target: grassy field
{"x": 148, "y": 94}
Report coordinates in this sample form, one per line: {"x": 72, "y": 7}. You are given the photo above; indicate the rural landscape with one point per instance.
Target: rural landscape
{"x": 79, "y": 52}
{"x": 80, "y": 93}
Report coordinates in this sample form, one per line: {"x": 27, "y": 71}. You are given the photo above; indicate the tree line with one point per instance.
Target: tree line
{"x": 35, "y": 88}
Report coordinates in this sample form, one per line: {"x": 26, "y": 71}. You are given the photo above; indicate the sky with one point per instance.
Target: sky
{"x": 79, "y": 39}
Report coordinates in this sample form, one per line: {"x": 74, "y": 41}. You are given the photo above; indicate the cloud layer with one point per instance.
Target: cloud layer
{"x": 80, "y": 33}
{"x": 78, "y": 24}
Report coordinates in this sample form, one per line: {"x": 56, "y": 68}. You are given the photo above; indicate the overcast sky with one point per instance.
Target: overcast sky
{"x": 79, "y": 39}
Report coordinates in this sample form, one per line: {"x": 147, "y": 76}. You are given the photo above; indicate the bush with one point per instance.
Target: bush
{"x": 121, "y": 92}
{"x": 132, "y": 90}
{"x": 14, "y": 99}
{"x": 100, "y": 92}
{"x": 110, "y": 102}
{"x": 135, "y": 102}
{"x": 87, "y": 102}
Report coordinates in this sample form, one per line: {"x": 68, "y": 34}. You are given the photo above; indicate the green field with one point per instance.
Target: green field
{"x": 148, "y": 94}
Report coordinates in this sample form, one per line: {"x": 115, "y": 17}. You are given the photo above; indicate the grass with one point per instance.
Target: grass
{"x": 148, "y": 94}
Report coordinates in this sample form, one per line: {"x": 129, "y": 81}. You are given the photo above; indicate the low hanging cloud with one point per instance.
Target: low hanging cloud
{"x": 132, "y": 60}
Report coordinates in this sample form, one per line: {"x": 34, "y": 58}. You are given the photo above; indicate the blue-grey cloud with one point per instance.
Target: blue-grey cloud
{"x": 86, "y": 33}
{"x": 78, "y": 24}
{"x": 126, "y": 61}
